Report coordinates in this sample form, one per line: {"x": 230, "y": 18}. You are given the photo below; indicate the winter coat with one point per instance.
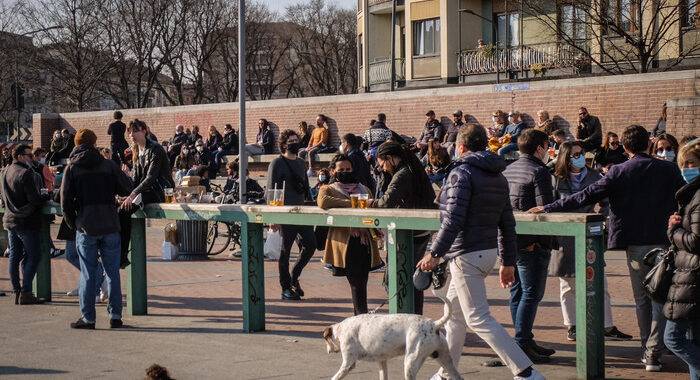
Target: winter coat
{"x": 21, "y": 197}
{"x": 152, "y": 174}
{"x": 548, "y": 127}
{"x": 361, "y": 169}
{"x": 474, "y": 207}
{"x": 515, "y": 130}
{"x": 230, "y": 142}
{"x": 90, "y": 183}
{"x": 641, "y": 193}
{"x": 684, "y": 295}
{"x": 610, "y": 156}
{"x": 530, "y": 185}
{"x": 177, "y": 142}
{"x": 184, "y": 162}
{"x": 266, "y": 139}
{"x": 590, "y": 131}
{"x": 432, "y": 129}
{"x": 214, "y": 142}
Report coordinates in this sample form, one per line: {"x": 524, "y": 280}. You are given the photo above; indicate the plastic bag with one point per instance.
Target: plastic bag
{"x": 169, "y": 251}
{"x": 273, "y": 245}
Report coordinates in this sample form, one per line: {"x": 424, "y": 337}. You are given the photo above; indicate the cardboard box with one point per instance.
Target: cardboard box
{"x": 171, "y": 233}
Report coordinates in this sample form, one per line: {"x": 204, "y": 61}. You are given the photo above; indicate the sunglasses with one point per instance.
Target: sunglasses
{"x": 667, "y": 149}
{"x": 614, "y": 143}
{"x": 576, "y": 155}
{"x": 582, "y": 113}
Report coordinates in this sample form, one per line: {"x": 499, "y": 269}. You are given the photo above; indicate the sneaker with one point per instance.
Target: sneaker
{"x": 571, "y": 334}
{"x": 615, "y": 334}
{"x": 104, "y": 297}
{"x": 437, "y": 376}
{"x": 81, "y": 324}
{"x": 534, "y": 375}
{"x": 288, "y": 294}
{"x": 73, "y": 293}
{"x": 652, "y": 363}
{"x": 115, "y": 323}
{"x": 296, "y": 288}
{"x": 534, "y": 356}
{"x": 543, "y": 351}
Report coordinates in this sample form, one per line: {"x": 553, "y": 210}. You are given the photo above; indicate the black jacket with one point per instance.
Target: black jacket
{"x": 90, "y": 183}
{"x": 192, "y": 139}
{"x": 530, "y": 185}
{"x": 214, "y": 141}
{"x": 230, "y": 142}
{"x": 117, "y": 130}
{"x": 361, "y": 169}
{"x": 152, "y": 174}
{"x": 610, "y": 156}
{"x": 684, "y": 295}
{"x": 20, "y": 186}
{"x": 590, "y": 131}
{"x": 402, "y": 191}
{"x": 432, "y": 129}
{"x": 177, "y": 142}
{"x": 474, "y": 208}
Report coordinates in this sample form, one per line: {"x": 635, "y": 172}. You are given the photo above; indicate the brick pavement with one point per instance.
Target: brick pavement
{"x": 194, "y": 327}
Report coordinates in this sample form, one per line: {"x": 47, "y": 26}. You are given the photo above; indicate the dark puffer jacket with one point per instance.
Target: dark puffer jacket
{"x": 684, "y": 295}
{"x": 474, "y": 206}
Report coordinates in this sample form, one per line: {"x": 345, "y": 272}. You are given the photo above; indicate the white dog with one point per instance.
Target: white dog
{"x": 379, "y": 337}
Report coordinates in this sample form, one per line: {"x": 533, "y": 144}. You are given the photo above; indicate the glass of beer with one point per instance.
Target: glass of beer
{"x": 363, "y": 200}
{"x": 355, "y": 200}
{"x": 275, "y": 197}
{"x": 169, "y": 195}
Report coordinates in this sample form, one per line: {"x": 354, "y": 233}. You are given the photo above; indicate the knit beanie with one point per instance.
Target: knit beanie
{"x": 85, "y": 136}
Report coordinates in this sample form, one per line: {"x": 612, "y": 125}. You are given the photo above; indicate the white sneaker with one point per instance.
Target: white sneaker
{"x": 73, "y": 293}
{"x": 104, "y": 297}
{"x": 535, "y": 375}
{"x": 437, "y": 376}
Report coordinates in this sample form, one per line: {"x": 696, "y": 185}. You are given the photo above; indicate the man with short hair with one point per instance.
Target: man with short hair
{"x": 21, "y": 195}
{"x": 514, "y": 129}
{"x": 178, "y": 140}
{"x": 641, "y": 194}
{"x": 431, "y": 129}
{"x": 318, "y": 140}
{"x": 589, "y": 130}
{"x": 288, "y": 172}
{"x": 229, "y": 146}
{"x": 351, "y": 147}
{"x": 40, "y": 166}
{"x": 476, "y": 215}
{"x": 117, "y": 142}
{"x": 378, "y": 133}
{"x": 451, "y": 136}
{"x": 530, "y": 185}
{"x": 90, "y": 186}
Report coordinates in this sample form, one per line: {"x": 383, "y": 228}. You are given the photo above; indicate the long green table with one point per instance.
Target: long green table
{"x": 587, "y": 229}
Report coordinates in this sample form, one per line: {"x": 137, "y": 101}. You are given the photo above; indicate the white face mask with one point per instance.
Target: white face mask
{"x": 200, "y": 149}
{"x": 185, "y": 151}
{"x": 42, "y": 160}
{"x": 341, "y": 150}
{"x": 510, "y": 118}
{"x": 58, "y": 135}
{"x": 494, "y": 118}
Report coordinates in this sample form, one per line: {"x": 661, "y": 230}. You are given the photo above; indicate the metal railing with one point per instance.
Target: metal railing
{"x": 380, "y": 70}
{"x": 516, "y": 58}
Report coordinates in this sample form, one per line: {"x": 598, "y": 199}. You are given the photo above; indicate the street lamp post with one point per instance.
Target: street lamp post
{"x": 493, "y": 25}
{"x": 337, "y": 67}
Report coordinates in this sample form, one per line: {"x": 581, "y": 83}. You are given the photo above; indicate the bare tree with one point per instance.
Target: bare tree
{"x": 13, "y": 47}
{"x": 622, "y": 35}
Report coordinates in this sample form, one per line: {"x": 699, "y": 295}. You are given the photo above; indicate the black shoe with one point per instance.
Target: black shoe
{"x": 296, "y": 288}
{"x": 81, "y": 324}
{"x": 288, "y": 294}
{"x": 615, "y": 334}
{"x": 124, "y": 263}
{"x": 17, "y": 293}
{"x": 534, "y": 356}
{"x": 543, "y": 351}
{"x": 115, "y": 323}
{"x": 571, "y": 334}
{"x": 28, "y": 298}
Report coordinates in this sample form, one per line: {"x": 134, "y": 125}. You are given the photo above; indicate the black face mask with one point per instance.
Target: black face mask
{"x": 345, "y": 177}
{"x": 293, "y": 148}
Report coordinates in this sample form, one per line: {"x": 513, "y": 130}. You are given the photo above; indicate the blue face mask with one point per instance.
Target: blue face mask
{"x": 668, "y": 155}
{"x": 322, "y": 178}
{"x": 579, "y": 162}
{"x": 456, "y": 153}
{"x": 689, "y": 174}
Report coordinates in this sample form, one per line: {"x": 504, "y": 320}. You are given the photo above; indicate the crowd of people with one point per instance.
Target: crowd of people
{"x": 646, "y": 183}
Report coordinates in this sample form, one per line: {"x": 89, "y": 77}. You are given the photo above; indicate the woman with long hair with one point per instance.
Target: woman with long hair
{"x": 214, "y": 139}
{"x": 500, "y": 122}
{"x": 665, "y": 147}
{"x": 264, "y": 140}
{"x": 304, "y": 134}
{"x": 436, "y": 162}
{"x": 612, "y": 153}
{"x": 544, "y": 123}
{"x": 572, "y": 175}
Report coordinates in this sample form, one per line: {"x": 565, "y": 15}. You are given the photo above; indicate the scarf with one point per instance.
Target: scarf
{"x": 577, "y": 179}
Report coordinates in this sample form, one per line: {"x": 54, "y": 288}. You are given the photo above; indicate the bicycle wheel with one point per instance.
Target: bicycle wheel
{"x": 216, "y": 242}
{"x": 234, "y": 231}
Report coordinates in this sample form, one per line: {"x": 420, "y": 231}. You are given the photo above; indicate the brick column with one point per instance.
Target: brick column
{"x": 44, "y": 124}
{"x": 683, "y": 117}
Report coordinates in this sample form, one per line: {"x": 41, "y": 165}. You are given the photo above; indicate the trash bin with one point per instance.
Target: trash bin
{"x": 192, "y": 236}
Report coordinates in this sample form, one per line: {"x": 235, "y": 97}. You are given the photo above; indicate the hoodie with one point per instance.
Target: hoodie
{"x": 475, "y": 209}
{"x": 90, "y": 183}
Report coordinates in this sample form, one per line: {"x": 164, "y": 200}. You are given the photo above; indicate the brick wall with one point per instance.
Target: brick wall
{"x": 617, "y": 100}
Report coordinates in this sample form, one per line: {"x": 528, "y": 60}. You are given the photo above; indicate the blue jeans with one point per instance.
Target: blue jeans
{"x": 504, "y": 150}
{"x": 73, "y": 259}
{"x": 109, "y": 247}
{"x": 24, "y": 248}
{"x": 682, "y": 337}
{"x": 527, "y": 292}
{"x": 218, "y": 156}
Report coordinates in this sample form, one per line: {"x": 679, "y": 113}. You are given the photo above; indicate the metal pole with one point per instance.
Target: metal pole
{"x": 459, "y": 52}
{"x": 498, "y": 70}
{"x": 17, "y": 96}
{"x": 393, "y": 45}
{"x": 242, "y": 154}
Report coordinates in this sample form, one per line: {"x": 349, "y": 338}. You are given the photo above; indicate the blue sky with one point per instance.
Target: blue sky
{"x": 279, "y": 5}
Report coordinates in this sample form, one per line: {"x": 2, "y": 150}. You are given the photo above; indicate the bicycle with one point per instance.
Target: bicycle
{"x": 219, "y": 239}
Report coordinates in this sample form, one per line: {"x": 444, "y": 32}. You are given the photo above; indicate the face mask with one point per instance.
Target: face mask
{"x": 494, "y": 118}
{"x": 58, "y": 135}
{"x": 322, "y": 178}
{"x": 42, "y": 160}
{"x": 456, "y": 153}
{"x": 345, "y": 177}
{"x": 293, "y": 148}
{"x": 200, "y": 149}
{"x": 668, "y": 155}
{"x": 510, "y": 118}
{"x": 341, "y": 150}
{"x": 185, "y": 151}
{"x": 689, "y": 174}
{"x": 579, "y": 162}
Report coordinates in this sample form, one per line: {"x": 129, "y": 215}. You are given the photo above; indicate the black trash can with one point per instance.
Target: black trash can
{"x": 192, "y": 238}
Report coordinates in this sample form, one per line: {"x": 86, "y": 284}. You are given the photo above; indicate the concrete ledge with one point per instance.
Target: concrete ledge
{"x": 684, "y": 102}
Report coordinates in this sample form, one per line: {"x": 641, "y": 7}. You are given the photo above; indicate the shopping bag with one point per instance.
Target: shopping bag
{"x": 169, "y": 251}
{"x": 273, "y": 245}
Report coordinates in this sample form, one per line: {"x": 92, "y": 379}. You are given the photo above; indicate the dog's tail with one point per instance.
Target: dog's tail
{"x": 448, "y": 310}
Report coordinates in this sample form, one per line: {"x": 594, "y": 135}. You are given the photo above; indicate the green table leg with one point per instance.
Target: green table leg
{"x": 136, "y": 292}
{"x": 253, "y": 277}
{"x": 42, "y": 280}
{"x": 590, "y": 339}
{"x": 400, "y": 249}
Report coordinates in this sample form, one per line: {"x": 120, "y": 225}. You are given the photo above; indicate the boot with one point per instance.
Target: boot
{"x": 27, "y": 298}
{"x": 17, "y": 293}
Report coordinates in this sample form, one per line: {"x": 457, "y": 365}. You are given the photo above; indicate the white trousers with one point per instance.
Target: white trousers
{"x": 567, "y": 294}
{"x": 470, "y": 308}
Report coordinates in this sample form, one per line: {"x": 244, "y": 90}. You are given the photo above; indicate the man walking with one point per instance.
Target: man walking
{"x": 21, "y": 194}
{"x": 116, "y": 131}
{"x": 288, "y": 172}
{"x": 474, "y": 208}
{"x": 90, "y": 184}
{"x": 641, "y": 194}
{"x": 530, "y": 185}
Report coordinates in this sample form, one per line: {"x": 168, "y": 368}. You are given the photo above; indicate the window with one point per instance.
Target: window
{"x": 572, "y": 22}
{"x": 691, "y": 11}
{"x": 361, "y": 50}
{"x": 512, "y": 21}
{"x": 426, "y": 37}
{"x": 623, "y": 13}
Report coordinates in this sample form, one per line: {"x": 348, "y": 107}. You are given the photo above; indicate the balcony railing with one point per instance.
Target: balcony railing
{"x": 516, "y": 58}
{"x": 380, "y": 71}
